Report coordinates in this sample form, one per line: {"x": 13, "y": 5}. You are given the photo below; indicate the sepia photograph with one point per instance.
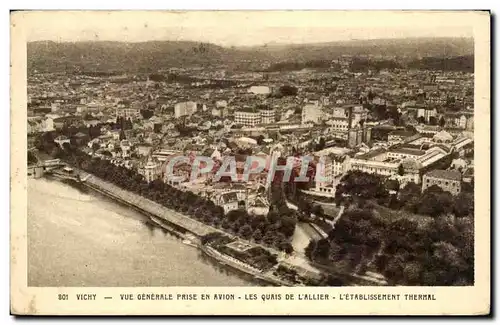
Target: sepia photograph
{"x": 251, "y": 149}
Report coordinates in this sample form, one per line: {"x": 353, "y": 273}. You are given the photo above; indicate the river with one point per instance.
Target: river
{"x": 81, "y": 238}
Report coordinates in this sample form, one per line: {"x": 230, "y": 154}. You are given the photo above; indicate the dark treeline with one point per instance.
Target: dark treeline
{"x": 294, "y": 66}
{"x": 183, "y": 79}
{"x": 433, "y": 248}
{"x": 363, "y": 65}
{"x": 459, "y": 63}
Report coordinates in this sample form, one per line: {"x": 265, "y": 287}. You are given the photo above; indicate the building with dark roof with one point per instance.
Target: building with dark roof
{"x": 448, "y": 180}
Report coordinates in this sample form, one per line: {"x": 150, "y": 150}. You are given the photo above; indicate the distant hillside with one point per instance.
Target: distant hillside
{"x": 409, "y": 47}
{"x": 154, "y": 55}
{"x": 146, "y": 56}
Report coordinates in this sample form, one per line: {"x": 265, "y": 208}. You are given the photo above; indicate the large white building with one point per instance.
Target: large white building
{"x": 259, "y": 90}
{"x": 267, "y": 116}
{"x": 127, "y": 112}
{"x": 311, "y": 113}
{"x": 151, "y": 170}
{"x": 387, "y": 162}
{"x": 247, "y": 118}
{"x": 426, "y": 113}
{"x": 336, "y": 162}
{"x": 185, "y": 109}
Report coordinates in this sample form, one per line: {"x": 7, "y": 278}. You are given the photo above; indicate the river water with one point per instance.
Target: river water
{"x": 80, "y": 238}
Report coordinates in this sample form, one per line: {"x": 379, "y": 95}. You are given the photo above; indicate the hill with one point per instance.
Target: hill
{"x": 153, "y": 55}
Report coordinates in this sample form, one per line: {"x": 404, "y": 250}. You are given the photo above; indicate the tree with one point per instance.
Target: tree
{"x": 287, "y": 247}
{"x": 260, "y": 140}
{"x": 318, "y": 211}
{"x": 392, "y": 185}
{"x": 421, "y": 120}
{"x": 246, "y": 231}
{"x": 322, "y": 249}
{"x": 122, "y": 135}
{"x": 268, "y": 238}
{"x": 362, "y": 185}
{"x": 463, "y": 205}
{"x": 147, "y": 113}
{"x": 321, "y": 144}
{"x": 272, "y": 216}
{"x": 305, "y": 207}
{"x": 32, "y": 158}
{"x": 433, "y": 120}
{"x": 409, "y": 196}
{"x": 257, "y": 235}
{"x": 310, "y": 248}
{"x": 442, "y": 121}
{"x": 287, "y": 90}
{"x": 401, "y": 170}
{"x": 435, "y": 202}
{"x": 287, "y": 226}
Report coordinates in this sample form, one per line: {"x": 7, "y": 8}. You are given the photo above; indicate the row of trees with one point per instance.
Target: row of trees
{"x": 433, "y": 201}
{"x": 357, "y": 186}
{"x": 437, "y": 253}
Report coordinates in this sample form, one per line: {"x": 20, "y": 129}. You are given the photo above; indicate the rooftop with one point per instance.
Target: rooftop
{"x": 445, "y": 174}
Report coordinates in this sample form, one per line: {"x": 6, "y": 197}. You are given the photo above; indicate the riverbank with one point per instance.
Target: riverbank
{"x": 190, "y": 231}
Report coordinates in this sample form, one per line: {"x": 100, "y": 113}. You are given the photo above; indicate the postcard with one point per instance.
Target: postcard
{"x": 250, "y": 163}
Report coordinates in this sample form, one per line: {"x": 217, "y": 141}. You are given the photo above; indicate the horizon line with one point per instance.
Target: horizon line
{"x": 254, "y": 45}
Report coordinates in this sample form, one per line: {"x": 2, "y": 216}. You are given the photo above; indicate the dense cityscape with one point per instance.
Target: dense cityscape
{"x": 395, "y": 136}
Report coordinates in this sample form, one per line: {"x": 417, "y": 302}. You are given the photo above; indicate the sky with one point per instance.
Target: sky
{"x": 244, "y": 28}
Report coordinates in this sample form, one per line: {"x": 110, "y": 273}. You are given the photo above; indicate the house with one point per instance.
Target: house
{"x": 61, "y": 140}
{"x": 259, "y": 206}
{"x": 228, "y": 201}
{"x": 81, "y": 138}
{"x": 185, "y": 109}
{"x": 144, "y": 149}
{"x": 448, "y": 180}
{"x": 311, "y": 113}
{"x": 151, "y": 170}
{"x": 443, "y": 137}
{"x": 425, "y": 114}
{"x": 399, "y": 136}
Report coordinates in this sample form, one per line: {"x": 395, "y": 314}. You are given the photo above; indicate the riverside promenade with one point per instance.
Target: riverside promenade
{"x": 297, "y": 261}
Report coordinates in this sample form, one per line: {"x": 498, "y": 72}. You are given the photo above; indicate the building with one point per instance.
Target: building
{"x": 426, "y": 113}
{"x": 228, "y": 201}
{"x": 463, "y": 145}
{"x": 357, "y": 136}
{"x": 61, "y": 140}
{"x": 334, "y": 167}
{"x": 185, "y": 109}
{"x": 151, "y": 170}
{"x": 400, "y": 136}
{"x": 338, "y": 124}
{"x": 247, "y": 118}
{"x": 267, "y": 116}
{"x": 387, "y": 162}
{"x": 126, "y": 147}
{"x": 448, "y": 180}
{"x": 221, "y": 103}
{"x": 127, "y": 112}
{"x": 312, "y": 113}
{"x": 259, "y": 90}
{"x": 461, "y": 120}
